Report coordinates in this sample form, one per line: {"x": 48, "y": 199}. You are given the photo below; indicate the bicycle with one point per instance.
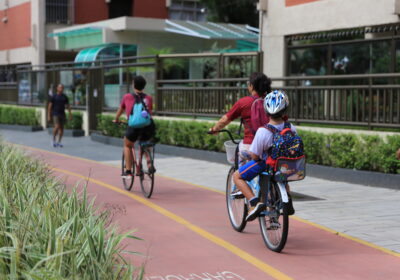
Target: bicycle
{"x": 270, "y": 188}
{"x": 145, "y": 165}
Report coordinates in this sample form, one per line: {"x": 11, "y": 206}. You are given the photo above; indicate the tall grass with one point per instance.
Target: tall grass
{"x": 47, "y": 233}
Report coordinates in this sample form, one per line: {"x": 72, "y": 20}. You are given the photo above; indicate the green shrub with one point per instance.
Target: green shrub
{"x": 18, "y": 115}
{"x": 360, "y": 152}
{"x": 76, "y": 122}
{"x": 48, "y": 233}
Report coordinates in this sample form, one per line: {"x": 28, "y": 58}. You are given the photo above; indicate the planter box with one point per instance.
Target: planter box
{"x": 361, "y": 177}
{"x": 113, "y": 141}
{"x": 69, "y": 132}
{"x": 31, "y": 128}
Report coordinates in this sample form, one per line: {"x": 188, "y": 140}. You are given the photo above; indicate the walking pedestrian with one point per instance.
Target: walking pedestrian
{"x": 56, "y": 111}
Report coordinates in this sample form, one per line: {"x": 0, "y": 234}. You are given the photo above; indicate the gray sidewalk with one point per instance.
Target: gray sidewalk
{"x": 369, "y": 213}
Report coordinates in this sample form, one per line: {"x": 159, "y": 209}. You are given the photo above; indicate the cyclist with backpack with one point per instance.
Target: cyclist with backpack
{"x": 138, "y": 107}
{"x": 250, "y": 110}
{"x": 276, "y": 139}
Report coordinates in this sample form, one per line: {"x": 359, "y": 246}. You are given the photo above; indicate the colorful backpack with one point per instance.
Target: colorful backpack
{"x": 140, "y": 116}
{"x": 287, "y": 152}
{"x": 258, "y": 117}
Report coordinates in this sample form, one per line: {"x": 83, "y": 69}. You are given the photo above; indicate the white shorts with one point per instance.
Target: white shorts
{"x": 244, "y": 153}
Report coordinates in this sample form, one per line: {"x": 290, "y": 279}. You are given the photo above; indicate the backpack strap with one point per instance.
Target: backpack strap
{"x": 286, "y": 128}
{"x": 271, "y": 128}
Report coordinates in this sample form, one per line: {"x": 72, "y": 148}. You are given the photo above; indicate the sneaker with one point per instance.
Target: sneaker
{"x": 60, "y": 145}
{"x": 237, "y": 194}
{"x": 127, "y": 175}
{"x": 254, "y": 211}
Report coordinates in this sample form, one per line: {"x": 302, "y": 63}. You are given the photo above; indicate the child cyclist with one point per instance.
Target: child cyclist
{"x": 275, "y": 105}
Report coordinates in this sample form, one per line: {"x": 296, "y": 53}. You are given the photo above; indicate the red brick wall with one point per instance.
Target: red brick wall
{"x": 90, "y": 10}
{"x": 16, "y": 33}
{"x": 297, "y": 2}
{"x": 151, "y": 9}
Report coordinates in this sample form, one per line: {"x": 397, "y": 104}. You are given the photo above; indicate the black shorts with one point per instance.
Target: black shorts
{"x": 59, "y": 119}
{"x": 141, "y": 134}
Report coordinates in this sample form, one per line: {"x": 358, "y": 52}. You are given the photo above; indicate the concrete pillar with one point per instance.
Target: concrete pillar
{"x": 274, "y": 56}
{"x": 38, "y": 18}
{"x": 85, "y": 122}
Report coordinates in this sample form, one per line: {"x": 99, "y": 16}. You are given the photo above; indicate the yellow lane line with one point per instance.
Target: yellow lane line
{"x": 366, "y": 243}
{"x": 390, "y": 252}
{"x": 211, "y": 237}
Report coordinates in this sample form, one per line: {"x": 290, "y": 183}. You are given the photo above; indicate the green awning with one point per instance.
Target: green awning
{"x": 105, "y": 51}
{"x": 81, "y": 31}
{"x": 89, "y": 54}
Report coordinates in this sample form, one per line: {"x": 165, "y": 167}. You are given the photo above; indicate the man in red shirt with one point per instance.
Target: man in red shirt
{"x": 258, "y": 86}
{"x": 134, "y": 134}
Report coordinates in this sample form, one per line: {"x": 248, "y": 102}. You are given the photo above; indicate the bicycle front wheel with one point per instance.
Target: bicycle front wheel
{"x": 237, "y": 209}
{"x": 128, "y": 183}
{"x": 274, "y": 222}
{"x": 147, "y": 175}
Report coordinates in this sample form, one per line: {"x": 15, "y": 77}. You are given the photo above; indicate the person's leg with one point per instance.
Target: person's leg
{"x": 148, "y": 135}
{"x": 128, "y": 145}
{"x": 55, "y": 130}
{"x": 243, "y": 186}
{"x": 247, "y": 173}
{"x": 60, "y": 131}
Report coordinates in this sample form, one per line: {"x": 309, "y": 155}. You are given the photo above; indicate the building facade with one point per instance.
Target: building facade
{"x": 328, "y": 37}
{"x": 25, "y": 24}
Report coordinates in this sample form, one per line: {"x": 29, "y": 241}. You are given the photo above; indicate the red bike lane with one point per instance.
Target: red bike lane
{"x": 187, "y": 234}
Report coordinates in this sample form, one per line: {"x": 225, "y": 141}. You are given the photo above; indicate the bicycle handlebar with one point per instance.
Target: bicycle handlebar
{"x": 227, "y": 131}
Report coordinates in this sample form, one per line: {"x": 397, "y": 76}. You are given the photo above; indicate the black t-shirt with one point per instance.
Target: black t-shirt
{"x": 59, "y": 101}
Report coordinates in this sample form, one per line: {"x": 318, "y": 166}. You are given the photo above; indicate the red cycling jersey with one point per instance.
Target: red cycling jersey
{"x": 242, "y": 109}
{"x": 128, "y": 101}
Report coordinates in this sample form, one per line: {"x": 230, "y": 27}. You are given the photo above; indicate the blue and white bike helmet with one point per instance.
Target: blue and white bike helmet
{"x": 275, "y": 102}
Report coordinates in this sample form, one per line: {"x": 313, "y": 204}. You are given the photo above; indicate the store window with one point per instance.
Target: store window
{"x": 308, "y": 61}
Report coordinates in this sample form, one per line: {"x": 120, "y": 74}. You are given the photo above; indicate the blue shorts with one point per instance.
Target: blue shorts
{"x": 252, "y": 169}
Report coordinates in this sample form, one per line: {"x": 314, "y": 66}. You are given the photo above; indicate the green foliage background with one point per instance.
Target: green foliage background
{"x": 361, "y": 152}
{"x": 19, "y": 116}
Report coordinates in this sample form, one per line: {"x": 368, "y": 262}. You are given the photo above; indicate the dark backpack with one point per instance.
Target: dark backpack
{"x": 285, "y": 144}
{"x": 258, "y": 117}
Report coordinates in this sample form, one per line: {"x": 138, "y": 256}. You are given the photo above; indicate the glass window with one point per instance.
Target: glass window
{"x": 57, "y": 11}
{"x": 187, "y": 10}
{"x": 380, "y": 57}
{"x": 308, "y": 61}
{"x": 24, "y": 87}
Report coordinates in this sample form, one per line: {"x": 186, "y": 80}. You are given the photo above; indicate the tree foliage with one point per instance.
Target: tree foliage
{"x": 233, "y": 11}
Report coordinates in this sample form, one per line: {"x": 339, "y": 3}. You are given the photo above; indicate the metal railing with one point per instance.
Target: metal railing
{"x": 364, "y": 100}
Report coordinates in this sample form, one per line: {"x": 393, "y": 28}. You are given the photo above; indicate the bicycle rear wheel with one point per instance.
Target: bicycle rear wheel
{"x": 147, "y": 176}
{"x": 128, "y": 183}
{"x": 237, "y": 208}
{"x": 274, "y": 222}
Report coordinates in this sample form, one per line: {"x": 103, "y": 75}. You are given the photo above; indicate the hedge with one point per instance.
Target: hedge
{"x": 47, "y": 232}
{"x": 19, "y": 116}
{"x": 76, "y": 122}
{"x": 361, "y": 152}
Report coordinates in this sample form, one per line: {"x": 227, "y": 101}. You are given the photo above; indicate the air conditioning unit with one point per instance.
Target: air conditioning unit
{"x": 262, "y": 5}
{"x": 397, "y": 7}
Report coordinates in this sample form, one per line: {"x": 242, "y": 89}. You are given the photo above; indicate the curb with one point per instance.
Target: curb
{"x": 28, "y": 128}
{"x": 69, "y": 132}
{"x": 361, "y": 177}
